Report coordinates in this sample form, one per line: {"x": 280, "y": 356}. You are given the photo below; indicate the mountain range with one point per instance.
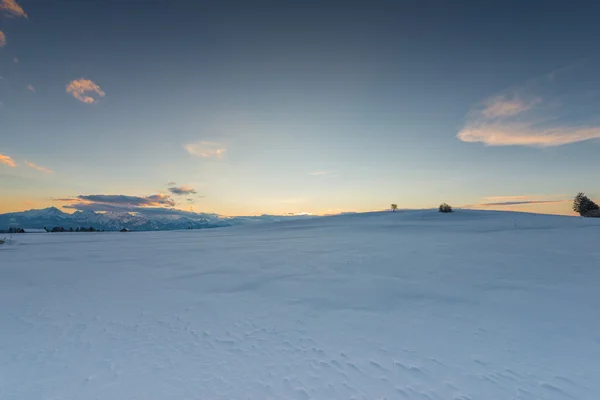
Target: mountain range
{"x": 113, "y": 221}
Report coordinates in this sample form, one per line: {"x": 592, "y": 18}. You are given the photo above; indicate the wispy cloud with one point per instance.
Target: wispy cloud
{"x": 206, "y": 149}
{"x": 502, "y": 107}
{"x": 327, "y": 174}
{"x": 37, "y": 167}
{"x": 182, "y": 190}
{"x": 31, "y": 88}
{"x": 79, "y": 87}
{"x": 171, "y": 184}
{"x": 547, "y": 111}
{"x": 11, "y": 8}
{"x": 7, "y": 160}
{"x": 2, "y": 39}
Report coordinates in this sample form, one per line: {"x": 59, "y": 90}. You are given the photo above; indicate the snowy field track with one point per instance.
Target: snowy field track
{"x": 407, "y": 305}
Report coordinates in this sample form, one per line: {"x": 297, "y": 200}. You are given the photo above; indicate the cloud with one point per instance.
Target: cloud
{"x": 492, "y": 201}
{"x": 31, "y": 88}
{"x": 328, "y": 174}
{"x": 171, "y": 184}
{"x": 182, "y": 190}
{"x": 7, "y": 160}
{"x": 2, "y": 39}
{"x": 37, "y": 167}
{"x": 512, "y": 203}
{"x": 544, "y": 112}
{"x": 502, "y": 107}
{"x": 12, "y": 8}
{"x": 206, "y": 149}
{"x": 131, "y": 201}
{"x": 79, "y": 87}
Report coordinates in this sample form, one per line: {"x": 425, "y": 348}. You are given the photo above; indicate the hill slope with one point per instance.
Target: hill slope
{"x": 415, "y": 305}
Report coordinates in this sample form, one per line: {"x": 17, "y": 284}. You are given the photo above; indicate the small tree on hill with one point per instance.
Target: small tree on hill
{"x": 394, "y": 207}
{"x": 445, "y": 208}
{"x": 583, "y": 205}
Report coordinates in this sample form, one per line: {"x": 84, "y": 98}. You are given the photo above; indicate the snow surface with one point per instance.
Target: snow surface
{"x": 406, "y": 305}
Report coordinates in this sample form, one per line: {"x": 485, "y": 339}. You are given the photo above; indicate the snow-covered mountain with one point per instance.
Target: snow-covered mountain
{"x": 112, "y": 221}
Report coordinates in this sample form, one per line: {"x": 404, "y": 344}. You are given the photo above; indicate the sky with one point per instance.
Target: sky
{"x": 247, "y": 108}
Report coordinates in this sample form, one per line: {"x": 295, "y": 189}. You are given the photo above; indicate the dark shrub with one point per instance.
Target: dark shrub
{"x": 445, "y": 208}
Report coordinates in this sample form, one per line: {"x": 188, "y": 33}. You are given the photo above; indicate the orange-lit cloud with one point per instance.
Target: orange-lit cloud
{"x": 37, "y": 167}
{"x": 79, "y": 87}
{"x": 545, "y": 112}
{"x": 526, "y": 135}
{"x": 7, "y": 160}
{"x": 11, "y": 8}
{"x": 206, "y": 149}
{"x": 2, "y": 39}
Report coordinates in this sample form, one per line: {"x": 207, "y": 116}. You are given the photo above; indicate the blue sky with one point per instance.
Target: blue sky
{"x": 289, "y": 107}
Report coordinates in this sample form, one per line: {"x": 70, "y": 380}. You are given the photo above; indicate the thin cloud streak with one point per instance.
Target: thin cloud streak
{"x": 37, "y": 167}
{"x": 2, "y": 39}
{"x": 328, "y": 174}
{"x": 492, "y": 199}
{"x": 498, "y": 201}
{"x": 11, "y": 8}
{"x": 31, "y": 88}
{"x": 512, "y": 203}
{"x": 7, "y": 160}
{"x": 545, "y": 112}
{"x": 206, "y": 149}
{"x": 79, "y": 87}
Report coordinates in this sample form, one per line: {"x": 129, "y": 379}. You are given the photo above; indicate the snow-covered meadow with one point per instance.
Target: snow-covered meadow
{"x": 406, "y": 305}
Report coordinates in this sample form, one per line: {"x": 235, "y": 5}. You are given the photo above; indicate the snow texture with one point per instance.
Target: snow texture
{"x": 406, "y": 305}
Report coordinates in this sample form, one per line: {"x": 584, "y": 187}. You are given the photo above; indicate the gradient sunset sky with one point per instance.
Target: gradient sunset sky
{"x": 251, "y": 107}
